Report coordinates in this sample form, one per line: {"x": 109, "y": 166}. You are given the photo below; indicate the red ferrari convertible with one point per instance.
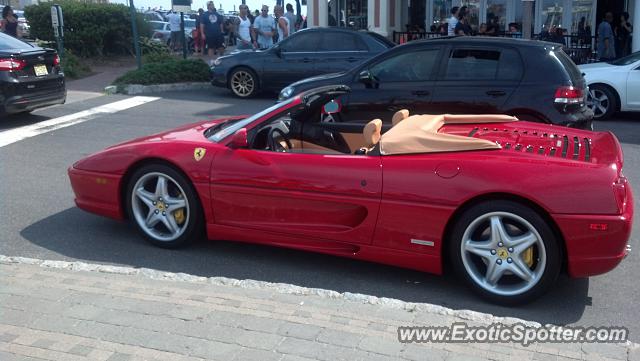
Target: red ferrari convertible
{"x": 507, "y": 204}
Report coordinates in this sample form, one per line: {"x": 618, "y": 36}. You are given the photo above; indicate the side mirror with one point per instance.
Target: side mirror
{"x": 368, "y": 79}
{"x": 239, "y": 139}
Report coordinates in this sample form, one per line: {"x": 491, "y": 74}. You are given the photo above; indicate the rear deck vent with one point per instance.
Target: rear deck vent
{"x": 552, "y": 152}
{"x": 541, "y": 150}
{"x": 587, "y": 149}
{"x": 529, "y": 149}
{"x": 473, "y": 132}
{"x": 576, "y": 147}
{"x": 507, "y": 146}
{"x": 565, "y": 146}
{"x": 518, "y": 146}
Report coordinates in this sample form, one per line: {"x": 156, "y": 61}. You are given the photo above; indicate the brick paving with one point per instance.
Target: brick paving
{"x": 49, "y": 313}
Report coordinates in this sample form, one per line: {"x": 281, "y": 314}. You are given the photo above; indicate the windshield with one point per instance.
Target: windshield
{"x": 629, "y": 59}
{"x": 232, "y": 127}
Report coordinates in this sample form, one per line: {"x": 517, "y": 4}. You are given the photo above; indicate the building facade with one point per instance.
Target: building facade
{"x": 387, "y": 16}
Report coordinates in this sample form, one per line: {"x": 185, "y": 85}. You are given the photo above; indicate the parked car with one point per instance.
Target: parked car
{"x": 613, "y": 86}
{"x": 30, "y": 77}
{"x": 24, "y": 30}
{"x": 289, "y": 177}
{"x": 532, "y": 80}
{"x": 306, "y": 53}
{"x": 162, "y": 32}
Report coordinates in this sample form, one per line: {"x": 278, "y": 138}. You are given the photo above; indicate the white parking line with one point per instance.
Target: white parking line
{"x": 17, "y": 134}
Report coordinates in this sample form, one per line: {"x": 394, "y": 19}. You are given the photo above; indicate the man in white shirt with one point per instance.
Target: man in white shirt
{"x": 174, "y": 26}
{"x": 453, "y": 21}
{"x": 264, "y": 27}
{"x": 244, "y": 30}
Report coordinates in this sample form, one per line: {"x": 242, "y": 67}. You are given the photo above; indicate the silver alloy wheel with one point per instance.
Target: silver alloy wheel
{"x": 491, "y": 252}
{"x": 155, "y": 200}
{"x": 598, "y": 102}
{"x": 242, "y": 83}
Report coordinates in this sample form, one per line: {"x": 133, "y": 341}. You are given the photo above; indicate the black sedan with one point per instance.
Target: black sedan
{"x": 306, "y": 53}
{"x": 30, "y": 77}
{"x": 532, "y": 80}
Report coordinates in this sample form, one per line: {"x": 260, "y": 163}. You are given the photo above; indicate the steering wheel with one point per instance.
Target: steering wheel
{"x": 274, "y": 142}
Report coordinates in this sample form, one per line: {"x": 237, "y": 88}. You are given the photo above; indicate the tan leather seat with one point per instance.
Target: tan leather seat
{"x": 399, "y": 116}
{"x": 372, "y": 133}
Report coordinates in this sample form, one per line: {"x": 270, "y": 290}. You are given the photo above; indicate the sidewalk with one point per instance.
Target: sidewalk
{"x": 76, "y": 311}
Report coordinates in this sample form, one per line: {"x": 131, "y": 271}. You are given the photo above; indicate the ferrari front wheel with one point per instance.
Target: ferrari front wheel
{"x": 163, "y": 206}
{"x": 505, "y": 251}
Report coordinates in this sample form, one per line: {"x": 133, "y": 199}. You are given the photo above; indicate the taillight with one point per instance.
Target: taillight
{"x": 56, "y": 60}
{"x": 568, "y": 95}
{"x": 12, "y": 64}
{"x": 620, "y": 192}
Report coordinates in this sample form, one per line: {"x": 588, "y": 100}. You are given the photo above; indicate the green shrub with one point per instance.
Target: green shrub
{"x": 73, "y": 66}
{"x": 89, "y": 29}
{"x": 150, "y": 46}
{"x": 158, "y": 58}
{"x": 172, "y": 71}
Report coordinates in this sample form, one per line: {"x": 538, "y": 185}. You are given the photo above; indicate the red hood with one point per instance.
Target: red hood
{"x": 192, "y": 132}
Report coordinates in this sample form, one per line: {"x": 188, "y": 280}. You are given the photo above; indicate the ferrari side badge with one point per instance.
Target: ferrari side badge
{"x": 199, "y": 153}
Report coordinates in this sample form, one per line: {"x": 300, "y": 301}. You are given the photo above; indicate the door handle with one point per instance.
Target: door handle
{"x": 496, "y": 93}
{"x": 421, "y": 93}
{"x": 352, "y": 59}
{"x": 306, "y": 60}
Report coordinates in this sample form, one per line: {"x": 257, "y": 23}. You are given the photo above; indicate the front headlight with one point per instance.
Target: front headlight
{"x": 286, "y": 93}
{"x": 217, "y": 62}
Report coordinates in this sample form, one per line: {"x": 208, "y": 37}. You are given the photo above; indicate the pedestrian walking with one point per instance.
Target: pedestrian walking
{"x": 453, "y": 21}
{"x": 606, "y": 47}
{"x": 264, "y": 27}
{"x": 212, "y": 28}
{"x": 291, "y": 16}
{"x": 9, "y": 22}
{"x": 174, "y": 26}
{"x": 244, "y": 30}
{"x": 283, "y": 23}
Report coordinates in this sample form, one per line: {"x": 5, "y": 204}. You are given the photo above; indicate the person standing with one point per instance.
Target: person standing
{"x": 283, "y": 23}
{"x": 292, "y": 19}
{"x": 212, "y": 27}
{"x": 174, "y": 26}
{"x": 244, "y": 29}
{"x": 453, "y": 21}
{"x": 624, "y": 34}
{"x": 264, "y": 26}
{"x": 462, "y": 27}
{"x": 197, "y": 34}
{"x": 9, "y": 22}
{"x": 606, "y": 46}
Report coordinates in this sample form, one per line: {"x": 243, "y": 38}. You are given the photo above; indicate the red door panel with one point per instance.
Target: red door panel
{"x": 332, "y": 197}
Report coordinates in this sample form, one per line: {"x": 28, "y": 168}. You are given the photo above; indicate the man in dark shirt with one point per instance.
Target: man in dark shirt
{"x": 212, "y": 27}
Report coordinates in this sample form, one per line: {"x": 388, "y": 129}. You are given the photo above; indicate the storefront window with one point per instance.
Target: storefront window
{"x": 497, "y": 14}
{"x": 551, "y": 14}
{"x": 441, "y": 13}
{"x": 348, "y": 13}
{"x": 581, "y": 17}
{"x": 473, "y": 13}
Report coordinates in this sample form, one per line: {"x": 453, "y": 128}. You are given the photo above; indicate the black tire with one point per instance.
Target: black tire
{"x": 548, "y": 269}
{"x": 243, "y": 82}
{"x": 194, "y": 219}
{"x": 605, "y": 103}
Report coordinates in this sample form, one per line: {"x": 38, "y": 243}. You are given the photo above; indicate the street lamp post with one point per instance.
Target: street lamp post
{"x": 134, "y": 34}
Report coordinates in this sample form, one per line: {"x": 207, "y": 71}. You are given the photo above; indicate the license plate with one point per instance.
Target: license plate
{"x": 40, "y": 70}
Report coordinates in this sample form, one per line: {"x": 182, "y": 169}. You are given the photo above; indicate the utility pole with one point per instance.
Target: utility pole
{"x": 134, "y": 34}
{"x": 527, "y": 15}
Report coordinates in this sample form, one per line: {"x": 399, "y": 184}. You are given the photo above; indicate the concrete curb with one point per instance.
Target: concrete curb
{"x": 275, "y": 287}
{"x": 132, "y": 89}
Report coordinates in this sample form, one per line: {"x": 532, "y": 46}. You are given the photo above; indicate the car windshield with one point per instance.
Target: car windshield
{"x": 9, "y": 42}
{"x": 189, "y": 23}
{"x": 629, "y": 59}
{"x": 232, "y": 127}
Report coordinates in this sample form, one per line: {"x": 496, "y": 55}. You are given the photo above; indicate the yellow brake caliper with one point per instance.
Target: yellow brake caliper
{"x": 527, "y": 256}
{"x": 179, "y": 214}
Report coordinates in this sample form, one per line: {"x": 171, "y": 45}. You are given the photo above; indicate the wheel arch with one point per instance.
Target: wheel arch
{"x": 502, "y": 197}
{"x": 613, "y": 90}
{"x": 144, "y": 162}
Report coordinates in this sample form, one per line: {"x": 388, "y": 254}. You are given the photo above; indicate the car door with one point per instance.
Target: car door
{"x": 307, "y": 191}
{"x": 477, "y": 80}
{"x": 395, "y": 82}
{"x": 294, "y": 59}
{"x": 340, "y": 51}
{"x": 633, "y": 88}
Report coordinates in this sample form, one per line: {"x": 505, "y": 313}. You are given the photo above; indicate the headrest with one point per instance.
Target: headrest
{"x": 372, "y": 132}
{"x": 399, "y": 116}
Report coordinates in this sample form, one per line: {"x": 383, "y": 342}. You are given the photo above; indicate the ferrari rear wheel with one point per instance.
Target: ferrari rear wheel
{"x": 505, "y": 251}
{"x": 162, "y": 204}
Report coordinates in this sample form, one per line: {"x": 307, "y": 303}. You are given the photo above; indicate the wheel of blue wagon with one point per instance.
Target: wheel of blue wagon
{"x": 505, "y": 251}
{"x": 163, "y": 206}
{"x": 243, "y": 82}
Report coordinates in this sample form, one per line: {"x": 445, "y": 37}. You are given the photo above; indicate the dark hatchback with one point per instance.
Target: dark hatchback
{"x": 306, "y": 53}
{"x": 532, "y": 80}
{"x": 30, "y": 77}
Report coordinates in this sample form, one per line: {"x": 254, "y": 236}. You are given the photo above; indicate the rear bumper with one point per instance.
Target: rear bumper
{"x": 580, "y": 119}
{"x": 592, "y": 252}
{"x": 97, "y": 193}
{"x": 27, "y": 101}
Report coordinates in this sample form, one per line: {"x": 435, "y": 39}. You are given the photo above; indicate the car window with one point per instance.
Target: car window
{"x": 404, "y": 67}
{"x": 9, "y": 42}
{"x": 510, "y": 67}
{"x": 303, "y": 42}
{"x": 574, "y": 73}
{"x": 342, "y": 42}
{"x": 472, "y": 64}
{"x": 157, "y": 26}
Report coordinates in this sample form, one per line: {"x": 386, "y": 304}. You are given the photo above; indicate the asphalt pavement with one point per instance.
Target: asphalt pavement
{"x": 39, "y": 220}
